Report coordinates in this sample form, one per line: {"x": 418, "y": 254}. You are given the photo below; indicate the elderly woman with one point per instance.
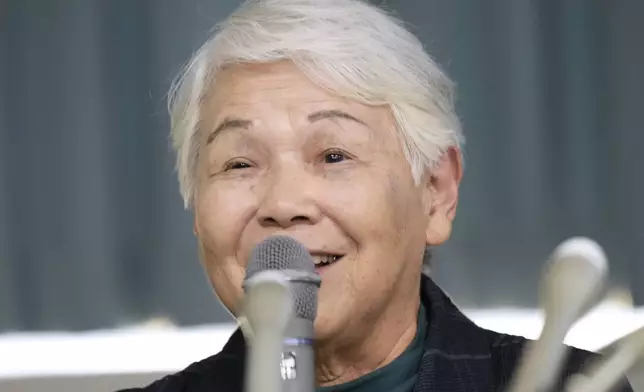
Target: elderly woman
{"x": 325, "y": 120}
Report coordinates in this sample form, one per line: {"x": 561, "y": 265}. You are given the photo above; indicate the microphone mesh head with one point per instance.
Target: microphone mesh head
{"x": 282, "y": 253}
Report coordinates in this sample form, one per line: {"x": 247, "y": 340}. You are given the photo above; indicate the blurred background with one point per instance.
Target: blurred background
{"x": 93, "y": 234}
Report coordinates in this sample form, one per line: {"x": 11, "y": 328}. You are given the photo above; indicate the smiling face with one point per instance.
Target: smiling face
{"x": 281, "y": 155}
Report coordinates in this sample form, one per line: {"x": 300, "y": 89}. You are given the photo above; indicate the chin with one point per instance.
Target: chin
{"x": 325, "y": 328}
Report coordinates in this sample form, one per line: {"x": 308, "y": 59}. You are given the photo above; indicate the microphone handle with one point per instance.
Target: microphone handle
{"x": 267, "y": 308}
{"x": 297, "y": 363}
{"x": 262, "y": 371}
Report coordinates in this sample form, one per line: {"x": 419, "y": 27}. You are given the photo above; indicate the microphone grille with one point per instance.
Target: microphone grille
{"x": 279, "y": 252}
{"x": 286, "y": 253}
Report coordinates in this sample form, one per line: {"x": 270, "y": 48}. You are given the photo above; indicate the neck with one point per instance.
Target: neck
{"x": 388, "y": 337}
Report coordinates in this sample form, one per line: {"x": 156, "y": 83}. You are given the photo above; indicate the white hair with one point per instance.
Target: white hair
{"x": 350, "y": 47}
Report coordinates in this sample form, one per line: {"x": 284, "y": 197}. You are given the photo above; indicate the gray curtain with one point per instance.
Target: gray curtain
{"x": 92, "y": 229}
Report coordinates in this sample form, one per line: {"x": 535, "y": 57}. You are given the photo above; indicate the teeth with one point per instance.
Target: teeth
{"x": 324, "y": 259}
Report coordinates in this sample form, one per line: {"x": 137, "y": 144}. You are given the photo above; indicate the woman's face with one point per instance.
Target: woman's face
{"x": 281, "y": 155}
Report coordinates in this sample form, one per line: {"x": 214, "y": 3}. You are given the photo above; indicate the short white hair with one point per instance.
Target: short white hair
{"x": 350, "y": 47}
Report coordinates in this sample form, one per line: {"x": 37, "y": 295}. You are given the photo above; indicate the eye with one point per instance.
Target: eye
{"x": 235, "y": 165}
{"x": 334, "y": 156}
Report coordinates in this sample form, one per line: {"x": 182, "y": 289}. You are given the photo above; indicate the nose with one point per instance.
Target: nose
{"x": 288, "y": 201}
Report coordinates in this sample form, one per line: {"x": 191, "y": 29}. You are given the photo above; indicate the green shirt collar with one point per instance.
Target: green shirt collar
{"x": 397, "y": 376}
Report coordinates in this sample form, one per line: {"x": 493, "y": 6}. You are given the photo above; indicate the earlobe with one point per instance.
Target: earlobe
{"x": 438, "y": 230}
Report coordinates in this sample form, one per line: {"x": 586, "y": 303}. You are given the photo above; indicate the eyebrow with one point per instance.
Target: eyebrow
{"x": 228, "y": 123}
{"x": 233, "y": 122}
{"x": 331, "y": 114}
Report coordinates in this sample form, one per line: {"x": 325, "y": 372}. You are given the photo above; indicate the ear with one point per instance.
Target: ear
{"x": 441, "y": 189}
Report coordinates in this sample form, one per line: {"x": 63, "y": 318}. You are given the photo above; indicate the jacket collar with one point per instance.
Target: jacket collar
{"x": 457, "y": 352}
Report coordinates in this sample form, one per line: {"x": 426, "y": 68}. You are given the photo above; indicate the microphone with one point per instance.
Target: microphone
{"x": 266, "y": 311}
{"x": 285, "y": 257}
{"x": 571, "y": 285}
{"x": 605, "y": 375}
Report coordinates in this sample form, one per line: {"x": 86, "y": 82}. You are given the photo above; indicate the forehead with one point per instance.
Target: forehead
{"x": 258, "y": 89}
{"x": 279, "y": 100}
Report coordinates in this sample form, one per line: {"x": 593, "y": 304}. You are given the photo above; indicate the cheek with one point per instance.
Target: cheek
{"x": 359, "y": 211}
{"x": 225, "y": 277}
{"x": 222, "y": 213}
{"x": 380, "y": 210}
{"x": 407, "y": 206}
{"x": 385, "y": 218}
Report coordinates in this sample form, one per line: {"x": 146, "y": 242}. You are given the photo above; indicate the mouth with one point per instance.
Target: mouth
{"x": 323, "y": 261}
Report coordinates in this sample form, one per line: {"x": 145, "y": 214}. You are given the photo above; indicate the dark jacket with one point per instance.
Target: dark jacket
{"x": 459, "y": 357}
